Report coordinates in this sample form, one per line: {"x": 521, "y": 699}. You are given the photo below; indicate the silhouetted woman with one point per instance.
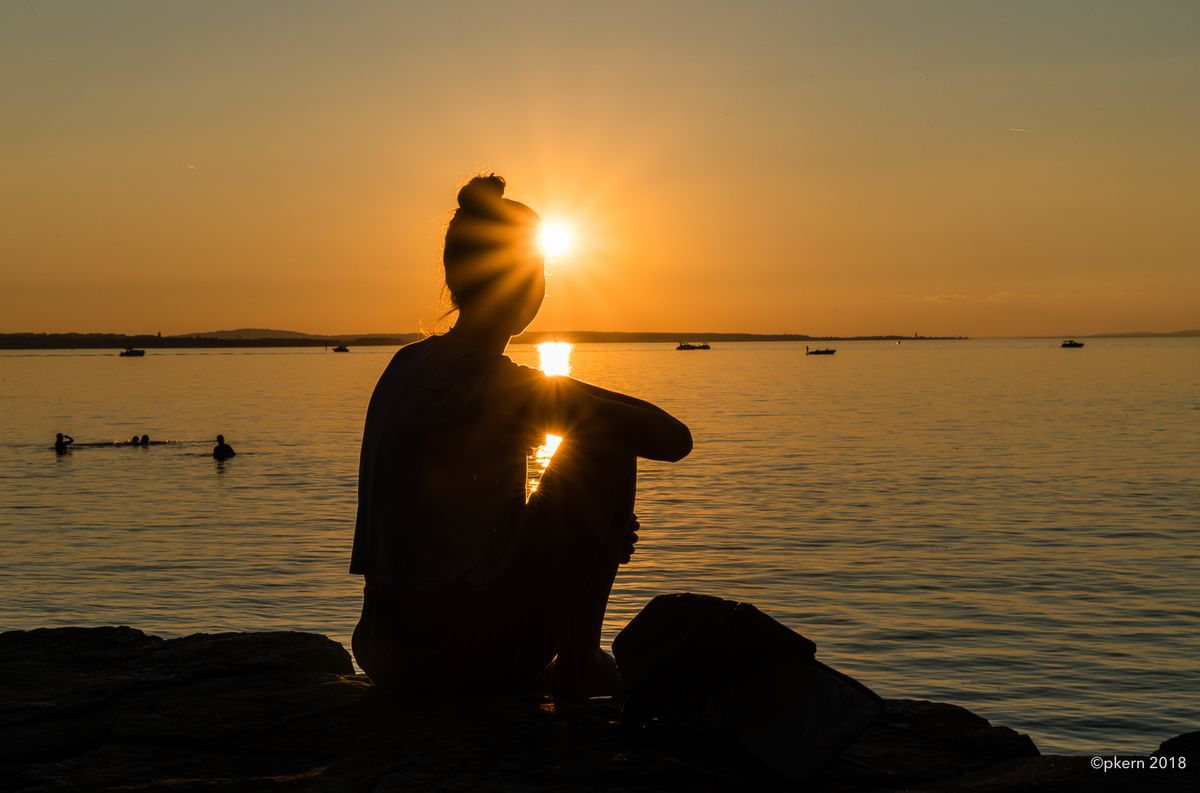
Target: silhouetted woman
{"x": 61, "y": 442}
{"x": 467, "y": 586}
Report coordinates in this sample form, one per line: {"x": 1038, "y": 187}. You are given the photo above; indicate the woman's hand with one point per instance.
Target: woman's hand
{"x": 631, "y": 540}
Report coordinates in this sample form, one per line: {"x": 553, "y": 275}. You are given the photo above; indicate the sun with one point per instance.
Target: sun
{"x": 554, "y": 238}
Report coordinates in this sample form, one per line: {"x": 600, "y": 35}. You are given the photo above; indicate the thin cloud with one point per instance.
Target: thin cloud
{"x": 1012, "y": 297}
{"x": 957, "y": 297}
{"x": 947, "y": 298}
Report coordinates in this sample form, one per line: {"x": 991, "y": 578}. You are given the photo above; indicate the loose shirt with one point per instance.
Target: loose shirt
{"x": 442, "y": 469}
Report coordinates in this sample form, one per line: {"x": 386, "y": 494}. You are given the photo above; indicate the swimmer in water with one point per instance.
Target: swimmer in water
{"x": 222, "y": 451}
{"x": 61, "y": 442}
{"x": 145, "y": 440}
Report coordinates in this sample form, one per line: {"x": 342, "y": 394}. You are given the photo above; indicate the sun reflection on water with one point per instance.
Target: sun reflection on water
{"x": 554, "y": 359}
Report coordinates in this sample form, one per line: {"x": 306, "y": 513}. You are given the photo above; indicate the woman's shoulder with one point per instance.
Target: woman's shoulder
{"x": 510, "y": 368}
{"x": 510, "y": 374}
{"x": 412, "y": 359}
{"x": 434, "y": 364}
{"x": 418, "y": 349}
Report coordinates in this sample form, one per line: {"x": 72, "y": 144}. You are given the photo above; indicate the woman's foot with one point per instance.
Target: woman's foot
{"x": 593, "y": 675}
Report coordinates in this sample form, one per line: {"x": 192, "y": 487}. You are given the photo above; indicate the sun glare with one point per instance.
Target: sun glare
{"x": 554, "y": 239}
{"x": 555, "y": 357}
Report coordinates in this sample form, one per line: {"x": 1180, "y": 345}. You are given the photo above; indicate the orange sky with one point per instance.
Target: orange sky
{"x": 942, "y": 168}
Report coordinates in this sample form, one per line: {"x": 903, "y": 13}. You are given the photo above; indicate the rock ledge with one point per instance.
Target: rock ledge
{"x": 113, "y": 708}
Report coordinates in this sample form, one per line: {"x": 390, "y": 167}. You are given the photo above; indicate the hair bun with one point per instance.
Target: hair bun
{"x": 481, "y": 194}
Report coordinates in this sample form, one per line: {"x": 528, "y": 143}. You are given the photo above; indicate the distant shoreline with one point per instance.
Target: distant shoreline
{"x": 116, "y": 341}
{"x": 234, "y": 339}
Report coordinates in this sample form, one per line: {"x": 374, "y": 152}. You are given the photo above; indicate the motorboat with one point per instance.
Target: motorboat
{"x": 683, "y": 345}
{"x": 130, "y": 352}
{"x": 1070, "y": 343}
{"x": 341, "y": 348}
{"x": 822, "y": 351}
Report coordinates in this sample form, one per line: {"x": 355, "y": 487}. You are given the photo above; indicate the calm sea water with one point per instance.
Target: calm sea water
{"x": 1002, "y": 524}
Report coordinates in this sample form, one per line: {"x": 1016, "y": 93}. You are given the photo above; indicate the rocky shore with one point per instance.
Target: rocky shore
{"x": 110, "y": 709}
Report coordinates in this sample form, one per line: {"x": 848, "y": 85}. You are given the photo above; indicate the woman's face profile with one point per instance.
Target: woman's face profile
{"x": 531, "y": 298}
{"x": 518, "y": 296}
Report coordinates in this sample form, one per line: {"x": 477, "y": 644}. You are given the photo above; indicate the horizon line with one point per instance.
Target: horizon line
{"x": 299, "y": 336}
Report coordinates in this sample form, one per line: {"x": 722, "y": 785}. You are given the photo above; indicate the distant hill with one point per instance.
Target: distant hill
{"x": 253, "y": 334}
{"x": 110, "y": 341}
{"x": 531, "y": 337}
{"x": 250, "y": 333}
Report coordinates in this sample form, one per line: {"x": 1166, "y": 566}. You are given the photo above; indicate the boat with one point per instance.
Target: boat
{"x": 683, "y": 345}
{"x": 1071, "y": 343}
{"x": 341, "y": 348}
{"x": 822, "y": 351}
{"x": 129, "y": 352}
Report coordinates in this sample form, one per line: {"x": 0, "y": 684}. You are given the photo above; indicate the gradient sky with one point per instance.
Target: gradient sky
{"x": 828, "y": 168}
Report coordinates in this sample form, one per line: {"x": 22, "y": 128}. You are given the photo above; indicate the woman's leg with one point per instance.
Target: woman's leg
{"x": 444, "y": 644}
{"x": 550, "y": 600}
{"x": 579, "y": 520}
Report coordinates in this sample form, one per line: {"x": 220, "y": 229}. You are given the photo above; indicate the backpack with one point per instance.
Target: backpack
{"x": 726, "y": 673}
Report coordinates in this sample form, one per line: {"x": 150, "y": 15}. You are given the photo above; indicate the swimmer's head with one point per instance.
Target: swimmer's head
{"x": 220, "y": 439}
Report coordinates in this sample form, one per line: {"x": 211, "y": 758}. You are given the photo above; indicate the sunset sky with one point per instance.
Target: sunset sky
{"x": 830, "y": 168}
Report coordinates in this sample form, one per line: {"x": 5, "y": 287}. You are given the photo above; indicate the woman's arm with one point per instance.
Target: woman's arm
{"x": 604, "y": 393}
{"x": 596, "y": 415}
